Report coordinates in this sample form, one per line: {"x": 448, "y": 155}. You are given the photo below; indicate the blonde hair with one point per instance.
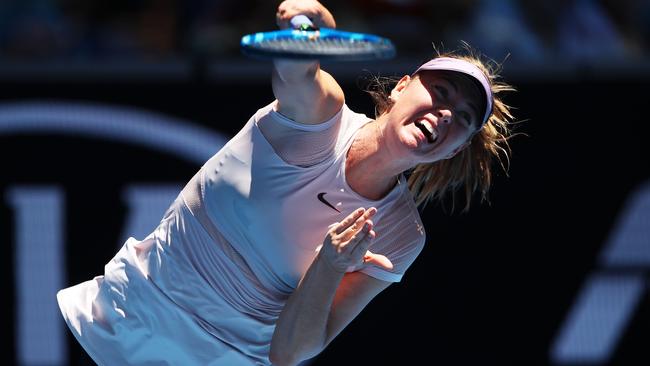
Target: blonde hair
{"x": 471, "y": 168}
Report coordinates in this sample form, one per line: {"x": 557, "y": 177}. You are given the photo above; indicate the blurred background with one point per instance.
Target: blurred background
{"x": 108, "y": 108}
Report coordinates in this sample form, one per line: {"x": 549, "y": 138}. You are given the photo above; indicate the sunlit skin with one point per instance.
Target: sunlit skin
{"x": 451, "y": 103}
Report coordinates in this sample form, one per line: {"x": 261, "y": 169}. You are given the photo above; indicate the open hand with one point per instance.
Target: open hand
{"x": 346, "y": 243}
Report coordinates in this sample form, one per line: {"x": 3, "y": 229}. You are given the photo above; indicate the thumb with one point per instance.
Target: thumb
{"x": 378, "y": 259}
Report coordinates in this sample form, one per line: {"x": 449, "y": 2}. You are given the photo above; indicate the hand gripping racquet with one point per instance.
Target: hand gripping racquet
{"x": 306, "y": 42}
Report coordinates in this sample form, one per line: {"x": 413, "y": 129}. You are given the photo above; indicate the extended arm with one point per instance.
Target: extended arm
{"x": 305, "y": 93}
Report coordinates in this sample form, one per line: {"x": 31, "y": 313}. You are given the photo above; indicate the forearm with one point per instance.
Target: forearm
{"x": 295, "y": 71}
{"x": 301, "y": 330}
{"x": 296, "y": 85}
{"x": 305, "y": 93}
{"x": 287, "y": 72}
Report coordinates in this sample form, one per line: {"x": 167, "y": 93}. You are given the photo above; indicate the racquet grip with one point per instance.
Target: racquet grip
{"x": 302, "y": 22}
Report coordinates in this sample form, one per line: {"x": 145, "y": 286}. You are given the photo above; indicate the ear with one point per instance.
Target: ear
{"x": 401, "y": 85}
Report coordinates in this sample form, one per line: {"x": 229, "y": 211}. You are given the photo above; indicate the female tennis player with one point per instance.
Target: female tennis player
{"x": 284, "y": 236}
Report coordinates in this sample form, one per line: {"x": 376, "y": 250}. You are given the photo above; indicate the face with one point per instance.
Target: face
{"x": 434, "y": 115}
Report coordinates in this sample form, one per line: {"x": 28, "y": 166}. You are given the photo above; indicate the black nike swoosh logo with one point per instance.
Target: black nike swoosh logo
{"x": 321, "y": 197}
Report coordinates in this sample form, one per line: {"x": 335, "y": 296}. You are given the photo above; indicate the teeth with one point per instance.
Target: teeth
{"x": 432, "y": 135}
{"x": 427, "y": 125}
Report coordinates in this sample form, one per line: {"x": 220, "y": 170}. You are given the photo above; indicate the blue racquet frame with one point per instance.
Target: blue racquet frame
{"x": 321, "y": 44}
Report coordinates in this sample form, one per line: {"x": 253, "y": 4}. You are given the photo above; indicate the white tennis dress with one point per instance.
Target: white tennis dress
{"x": 208, "y": 284}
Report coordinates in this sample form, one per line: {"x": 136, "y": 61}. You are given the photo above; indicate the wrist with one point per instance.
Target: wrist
{"x": 328, "y": 265}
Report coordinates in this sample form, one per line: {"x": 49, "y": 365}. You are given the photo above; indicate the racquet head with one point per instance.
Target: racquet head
{"x": 307, "y": 42}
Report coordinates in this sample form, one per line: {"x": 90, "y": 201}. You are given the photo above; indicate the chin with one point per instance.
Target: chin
{"x": 410, "y": 142}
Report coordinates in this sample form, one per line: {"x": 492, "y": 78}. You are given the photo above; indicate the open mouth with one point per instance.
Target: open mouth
{"x": 427, "y": 129}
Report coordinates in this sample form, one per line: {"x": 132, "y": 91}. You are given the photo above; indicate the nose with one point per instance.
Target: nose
{"x": 444, "y": 115}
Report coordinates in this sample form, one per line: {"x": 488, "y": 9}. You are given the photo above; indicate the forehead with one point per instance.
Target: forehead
{"x": 466, "y": 85}
{"x": 469, "y": 89}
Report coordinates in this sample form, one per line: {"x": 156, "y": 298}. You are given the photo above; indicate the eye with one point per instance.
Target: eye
{"x": 466, "y": 116}
{"x": 441, "y": 90}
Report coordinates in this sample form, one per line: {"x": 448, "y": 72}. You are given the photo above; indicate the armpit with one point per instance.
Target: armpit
{"x": 298, "y": 144}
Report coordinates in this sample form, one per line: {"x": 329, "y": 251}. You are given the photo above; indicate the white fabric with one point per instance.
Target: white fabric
{"x": 207, "y": 285}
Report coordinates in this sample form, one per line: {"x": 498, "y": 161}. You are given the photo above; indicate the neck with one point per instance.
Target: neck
{"x": 370, "y": 171}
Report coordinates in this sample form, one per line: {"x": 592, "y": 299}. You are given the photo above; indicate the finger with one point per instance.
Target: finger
{"x": 370, "y": 213}
{"x": 367, "y": 215}
{"x": 283, "y": 16}
{"x": 349, "y": 220}
{"x": 359, "y": 223}
{"x": 356, "y": 230}
{"x": 359, "y": 245}
{"x": 378, "y": 259}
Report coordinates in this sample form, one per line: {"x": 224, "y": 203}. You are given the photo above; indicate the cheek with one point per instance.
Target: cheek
{"x": 415, "y": 99}
{"x": 456, "y": 139}
{"x": 461, "y": 133}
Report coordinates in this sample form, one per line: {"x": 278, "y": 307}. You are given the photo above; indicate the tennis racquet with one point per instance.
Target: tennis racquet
{"x": 306, "y": 42}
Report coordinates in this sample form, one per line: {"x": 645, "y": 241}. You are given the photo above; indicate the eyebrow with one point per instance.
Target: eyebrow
{"x": 471, "y": 105}
{"x": 452, "y": 82}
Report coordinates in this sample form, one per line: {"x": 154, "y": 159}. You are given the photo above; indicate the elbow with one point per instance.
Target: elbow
{"x": 285, "y": 357}
{"x": 281, "y": 358}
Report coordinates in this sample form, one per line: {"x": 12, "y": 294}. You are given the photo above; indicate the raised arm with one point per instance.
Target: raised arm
{"x": 305, "y": 93}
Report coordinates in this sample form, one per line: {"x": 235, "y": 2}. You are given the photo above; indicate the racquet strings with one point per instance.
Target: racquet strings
{"x": 321, "y": 45}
